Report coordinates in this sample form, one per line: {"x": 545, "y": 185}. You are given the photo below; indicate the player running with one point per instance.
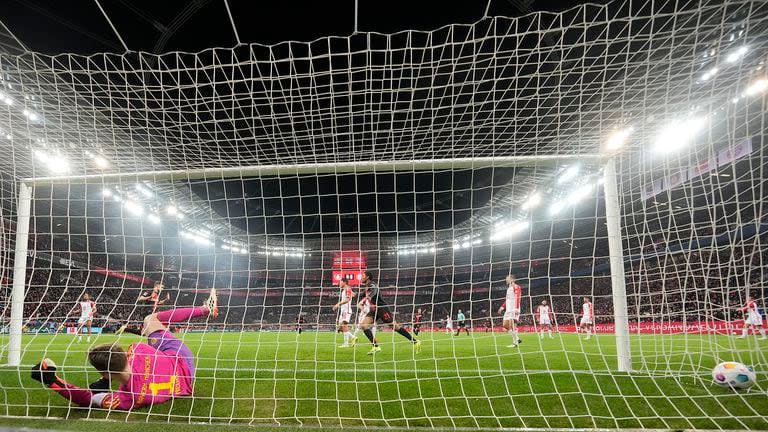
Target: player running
{"x": 148, "y": 373}
{"x": 417, "y": 318}
{"x": 448, "y": 324}
{"x": 461, "y": 322}
{"x": 587, "y": 317}
{"x": 545, "y": 317}
{"x": 87, "y": 312}
{"x": 753, "y": 319}
{"x": 344, "y": 306}
{"x": 380, "y": 311}
{"x": 511, "y": 309}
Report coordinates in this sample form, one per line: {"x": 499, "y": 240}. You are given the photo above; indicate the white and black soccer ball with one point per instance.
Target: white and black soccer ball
{"x": 734, "y": 375}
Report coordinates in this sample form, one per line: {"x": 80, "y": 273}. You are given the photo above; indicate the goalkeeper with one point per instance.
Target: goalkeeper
{"x": 149, "y": 373}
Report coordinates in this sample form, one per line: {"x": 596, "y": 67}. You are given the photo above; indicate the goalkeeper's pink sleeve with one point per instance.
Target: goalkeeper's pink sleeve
{"x": 73, "y": 393}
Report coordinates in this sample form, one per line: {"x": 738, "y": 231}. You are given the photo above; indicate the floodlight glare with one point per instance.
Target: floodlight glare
{"x": 678, "y": 134}
{"x": 101, "y": 162}
{"x": 757, "y": 87}
{"x": 533, "y": 200}
{"x": 568, "y": 173}
{"x": 617, "y": 139}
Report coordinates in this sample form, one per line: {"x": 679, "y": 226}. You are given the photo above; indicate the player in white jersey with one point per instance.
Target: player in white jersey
{"x": 545, "y": 317}
{"x": 587, "y": 317}
{"x": 344, "y": 306}
{"x": 87, "y": 311}
{"x": 511, "y": 309}
{"x": 448, "y": 324}
{"x": 363, "y": 309}
{"x": 753, "y": 319}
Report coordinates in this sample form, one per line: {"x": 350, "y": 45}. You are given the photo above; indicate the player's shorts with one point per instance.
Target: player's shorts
{"x": 84, "y": 319}
{"x": 512, "y": 315}
{"x": 361, "y": 317}
{"x": 753, "y": 320}
{"x": 545, "y": 321}
{"x": 382, "y": 314}
{"x": 345, "y": 317}
{"x": 462, "y": 324}
{"x": 585, "y": 320}
{"x": 449, "y": 327}
{"x": 165, "y": 341}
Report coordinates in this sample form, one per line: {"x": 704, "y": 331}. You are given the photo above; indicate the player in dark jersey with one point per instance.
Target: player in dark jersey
{"x": 152, "y": 299}
{"x": 380, "y": 312}
{"x": 417, "y": 321}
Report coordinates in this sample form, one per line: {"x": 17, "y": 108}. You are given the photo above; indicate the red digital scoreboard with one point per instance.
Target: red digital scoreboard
{"x": 350, "y": 265}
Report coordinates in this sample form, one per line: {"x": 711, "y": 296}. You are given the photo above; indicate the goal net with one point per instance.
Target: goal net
{"x": 609, "y": 158}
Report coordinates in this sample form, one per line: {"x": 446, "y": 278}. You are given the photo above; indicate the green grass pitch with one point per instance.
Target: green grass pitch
{"x": 286, "y": 379}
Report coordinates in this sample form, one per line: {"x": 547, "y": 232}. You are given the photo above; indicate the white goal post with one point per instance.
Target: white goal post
{"x": 611, "y": 196}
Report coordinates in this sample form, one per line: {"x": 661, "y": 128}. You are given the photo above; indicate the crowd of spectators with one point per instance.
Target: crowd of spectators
{"x": 704, "y": 284}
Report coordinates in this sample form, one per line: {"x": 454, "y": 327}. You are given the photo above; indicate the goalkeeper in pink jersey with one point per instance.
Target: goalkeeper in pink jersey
{"x": 148, "y": 373}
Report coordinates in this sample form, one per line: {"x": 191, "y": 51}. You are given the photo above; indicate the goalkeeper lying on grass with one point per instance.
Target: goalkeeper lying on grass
{"x": 149, "y": 373}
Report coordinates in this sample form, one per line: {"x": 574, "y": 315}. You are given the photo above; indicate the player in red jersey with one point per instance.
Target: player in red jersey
{"x": 511, "y": 309}
{"x": 545, "y": 317}
{"x": 587, "y": 317}
{"x": 87, "y": 312}
{"x": 752, "y": 320}
{"x": 148, "y": 373}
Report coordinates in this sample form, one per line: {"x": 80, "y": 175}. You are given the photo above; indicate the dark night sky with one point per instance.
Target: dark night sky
{"x": 77, "y": 26}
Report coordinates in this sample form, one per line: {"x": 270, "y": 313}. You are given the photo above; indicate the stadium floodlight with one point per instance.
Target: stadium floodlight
{"x": 533, "y": 200}
{"x": 709, "y": 74}
{"x": 465, "y": 245}
{"x": 155, "y": 219}
{"x": 736, "y": 55}
{"x": 678, "y": 134}
{"x": 134, "y": 207}
{"x": 506, "y": 230}
{"x": 569, "y": 173}
{"x": 106, "y": 192}
{"x": 556, "y": 207}
{"x": 456, "y": 246}
{"x": 579, "y": 194}
{"x": 101, "y": 162}
{"x": 756, "y": 87}
{"x": 143, "y": 190}
{"x": 243, "y": 250}
{"x": 618, "y": 138}
{"x": 172, "y": 210}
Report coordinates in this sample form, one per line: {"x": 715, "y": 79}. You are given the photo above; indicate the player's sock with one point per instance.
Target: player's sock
{"x": 762, "y": 333}
{"x": 550, "y": 333}
{"x": 182, "y": 314}
{"x": 513, "y": 334}
{"x": 405, "y": 334}
{"x": 369, "y": 334}
{"x": 346, "y": 338}
{"x": 744, "y": 332}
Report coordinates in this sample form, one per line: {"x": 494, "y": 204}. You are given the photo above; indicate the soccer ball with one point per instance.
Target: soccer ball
{"x": 733, "y": 374}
